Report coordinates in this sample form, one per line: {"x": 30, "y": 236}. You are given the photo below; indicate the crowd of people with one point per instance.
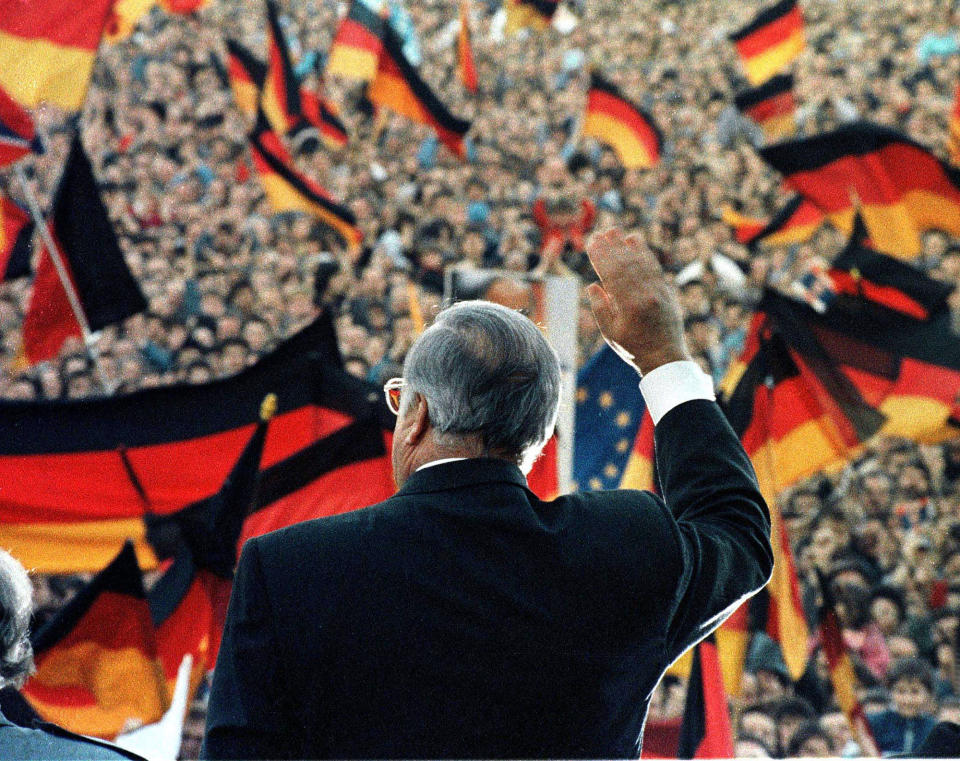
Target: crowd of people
{"x": 226, "y": 278}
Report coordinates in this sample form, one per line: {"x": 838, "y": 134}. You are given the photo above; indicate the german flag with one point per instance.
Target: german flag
{"x": 106, "y": 291}
{"x": 771, "y": 41}
{"x": 289, "y": 190}
{"x": 145, "y": 446}
{"x": 706, "y": 731}
{"x": 628, "y": 129}
{"x": 246, "y": 74}
{"x": 398, "y": 86}
{"x": 18, "y": 138}
{"x": 182, "y": 7}
{"x": 124, "y": 17}
{"x": 842, "y": 676}
{"x": 640, "y": 471}
{"x": 357, "y": 44}
{"x": 97, "y": 666}
{"x": 465, "y": 63}
{"x": 898, "y": 186}
{"x": 16, "y": 236}
{"x": 280, "y": 98}
{"x": 772, "y": 106}
{"x": 321, "y": 114}
{"x": 796, "y": 222}
{"x": 533, "y": 14}
{"x": 953, "y": 138}
{"x": 47, "y": 49}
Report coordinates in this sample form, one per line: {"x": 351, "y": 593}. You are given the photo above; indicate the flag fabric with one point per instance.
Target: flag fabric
{"x": 608, "y": 414}
{"x": 745, "y": 228}
{"x": 796, "y": 222}
{"x": 18, "y": 137}
{"x": 280, "y": 98}
{"x": 145, "y": 446}
{"x": 16, "y": 237}
{"x": 953, "y": 136}
{"x": 124, "y": 17}
{"x": 533, "y": 14}
{"x": 97, "y": 670}
{"x": 182, "y": 7}
{"x": 706, "y": 731}
{"x": 899, "y": 188}
{"x": 288, "y": 189}
{"x": 641, "y": 469}
{"x": 771, "y": 41}
{"x": 398, "y": 87}
{"x": 772, "y": 106}
{"x": 247, "y": 75}
{"x": 357, "y": 44}
{"x": 320, "y": 114}
{"x": 47, "y": 49}
{"x": 625, "y": 127}
{"x": 466, "y": 66}
{"x": 106, "y": 291}
{"x": 842, "y": 675}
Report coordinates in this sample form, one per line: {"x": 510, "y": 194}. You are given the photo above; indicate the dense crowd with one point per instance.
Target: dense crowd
{"x": 226, "y": 278}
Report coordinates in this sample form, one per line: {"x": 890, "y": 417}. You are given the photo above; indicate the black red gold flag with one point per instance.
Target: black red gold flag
{"x": 627, "y": 128}
{"x": 796, "y": 222}
{"x": 535, "y": 14}
{"x": 247, "y": 75}
{"x": 124, "y": 17}
{"x": 97, "y": 669}
{"x": 899, "y": 188}
{"x": 706, "y": 731}
{"x": 772, "y": 106}
{"x": 773, "y": 39}
{"x": 145, "y": 446}
{"x": 18, "y": 137}
{"x": 280, "y": 98}
{"x": 640, "y": 472}
{"x": 16, "y": 237}
{"x": 953, "y": 129}
{"x": 320, "y": 114}
{"x": 182, "y": 7}
{"x": 44, "y": 58}
{"x": 843, "y": 678}
{"x": 466, "y": 66}
{"x": 288, "y": 189}
{"x": 106, "y": 290}
{"x": 357, "y": 44}
{"x": 398, "y": 86}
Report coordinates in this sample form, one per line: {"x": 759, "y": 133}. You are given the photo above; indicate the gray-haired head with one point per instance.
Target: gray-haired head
{"x": 487, "y": 370}
{"x": 16, "y": 655}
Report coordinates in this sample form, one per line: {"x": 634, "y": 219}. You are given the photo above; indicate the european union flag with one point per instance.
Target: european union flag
{"x": 609, "y": 410}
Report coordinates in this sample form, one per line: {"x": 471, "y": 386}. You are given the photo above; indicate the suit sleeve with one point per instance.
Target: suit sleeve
{"x": 722, "y": 522}
{"x": 245, "y": 717}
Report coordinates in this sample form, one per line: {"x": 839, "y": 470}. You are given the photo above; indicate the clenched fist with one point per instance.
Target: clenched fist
{"x": 637, "y": 310}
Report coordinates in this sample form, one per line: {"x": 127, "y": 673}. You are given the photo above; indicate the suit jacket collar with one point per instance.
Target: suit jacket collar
{"x": 456, "y": 475}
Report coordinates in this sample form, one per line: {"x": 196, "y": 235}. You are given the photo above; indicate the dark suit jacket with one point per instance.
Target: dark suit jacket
{"x": 464, "y": 617}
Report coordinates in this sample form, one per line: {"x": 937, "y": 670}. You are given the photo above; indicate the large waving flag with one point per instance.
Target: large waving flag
{"x": 706, "y": 731}
{"x": 772, "y": 106}
{"x": 796, "y": 222}
{"x": 280, "y": 98}
{"x": 47, "y": 49}
{"x": 16, "y": 236}
{"x": 104, "y": 287}
{"x": 771, "y": 41}
{"x": 97, "y": 666}
{"x": 357, "y": 44}
{"x": 18, "y": 138}
{"x": 246, "y": 74}
{"x": 608, "y": 414}
{"x": 899, "y": 188}
{"x": 144, "y": 448}
{"x": 535, "y": 14}
{"x": 625, "y": 127}
{"x": 398, "y": 86}
{"x": 290, "y": 190}
{"x": 466, "y": 66}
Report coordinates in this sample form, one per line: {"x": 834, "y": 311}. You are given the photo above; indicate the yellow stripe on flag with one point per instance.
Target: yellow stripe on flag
{"x": 632, "y": 152}
{"x": 353, "y": 63}
{"x": 770, "y": 62}
{"x": 34, "y": 71}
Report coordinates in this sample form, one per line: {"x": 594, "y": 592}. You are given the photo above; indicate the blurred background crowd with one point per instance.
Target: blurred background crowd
{"x": 226, "y": 278}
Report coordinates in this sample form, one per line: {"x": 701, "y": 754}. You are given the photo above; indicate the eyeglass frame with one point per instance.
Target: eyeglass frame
{"x": 394, "y": 384}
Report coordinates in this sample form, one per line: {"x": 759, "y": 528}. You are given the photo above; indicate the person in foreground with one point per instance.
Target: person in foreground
{"x": 464, "y": 617}
{"x": 41, "y": 740}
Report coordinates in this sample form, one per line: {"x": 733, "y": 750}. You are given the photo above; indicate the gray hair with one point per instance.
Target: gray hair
{"x": 16, "y": 655}
{"x": 486, "y": 369}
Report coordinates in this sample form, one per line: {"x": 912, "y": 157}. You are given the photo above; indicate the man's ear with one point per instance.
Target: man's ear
{"x": 420, "y": 421}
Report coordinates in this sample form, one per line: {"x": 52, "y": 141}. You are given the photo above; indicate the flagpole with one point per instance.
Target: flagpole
{"x": 76, "y": 307}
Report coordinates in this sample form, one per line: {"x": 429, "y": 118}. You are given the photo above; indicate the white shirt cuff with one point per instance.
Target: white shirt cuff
{"x": 673, "y": 384}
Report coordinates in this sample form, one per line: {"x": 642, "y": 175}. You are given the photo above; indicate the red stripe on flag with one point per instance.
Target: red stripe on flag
{"x": 772, "y": 34}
